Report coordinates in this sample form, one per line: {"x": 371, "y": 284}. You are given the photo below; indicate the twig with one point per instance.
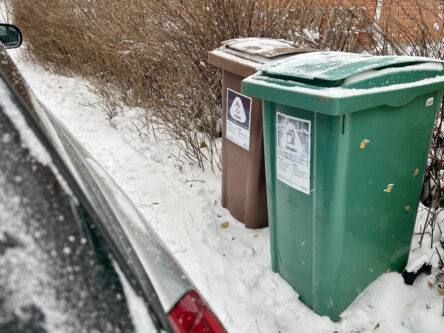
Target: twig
{"x": 89, "y": 104}
{"x": 439, "y": 255}
{"x": 442, "y": 313}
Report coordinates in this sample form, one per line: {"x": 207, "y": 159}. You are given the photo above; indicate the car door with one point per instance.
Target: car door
{"x": 57, "y": 273}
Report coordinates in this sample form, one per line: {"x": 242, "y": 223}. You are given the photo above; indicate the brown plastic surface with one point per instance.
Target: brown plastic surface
{"x": 243, "y": 171}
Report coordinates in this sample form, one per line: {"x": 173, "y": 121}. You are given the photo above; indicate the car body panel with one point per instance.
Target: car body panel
{"x": 55, "y": 274}
{"x": 141, "y": 255}
{"x": 167, "y": 277}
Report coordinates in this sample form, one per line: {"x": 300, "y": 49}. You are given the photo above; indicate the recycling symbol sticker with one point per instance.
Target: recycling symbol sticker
{"x": 293, "y": 146}
{"x": 292, "y": 143}
{"x": 238, "y": 116}
{"x": 237, "y": 110}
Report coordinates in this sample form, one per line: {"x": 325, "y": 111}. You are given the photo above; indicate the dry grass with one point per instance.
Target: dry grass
{"x": 153, "y": 53}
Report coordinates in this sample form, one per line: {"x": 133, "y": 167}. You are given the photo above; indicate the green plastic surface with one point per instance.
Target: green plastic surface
{"x": 371, "y": 81}
{"x": 366, "y": 172}
{"x": 332, "y": 68}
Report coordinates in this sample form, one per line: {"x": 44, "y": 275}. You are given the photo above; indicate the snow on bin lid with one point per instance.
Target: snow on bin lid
{"x": 265, "y": 47}
{"x": 337, "y": 83}
{"x": 330, "y": 69}
{"x": 243, "y": 56}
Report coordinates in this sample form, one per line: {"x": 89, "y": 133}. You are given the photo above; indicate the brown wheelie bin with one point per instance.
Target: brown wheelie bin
{"x": 243, "y": 171}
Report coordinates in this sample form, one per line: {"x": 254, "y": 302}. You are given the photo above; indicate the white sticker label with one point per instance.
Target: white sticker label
{"x": 430, "y": 101}
{"x": 293, "y": 137}
{"x": 238, "y": 118}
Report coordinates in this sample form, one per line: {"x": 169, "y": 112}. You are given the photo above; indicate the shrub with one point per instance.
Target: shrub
{"x": 153, "y": 53}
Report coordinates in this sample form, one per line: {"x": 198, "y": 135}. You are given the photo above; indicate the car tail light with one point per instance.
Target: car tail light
{"x": 193, "y": 315}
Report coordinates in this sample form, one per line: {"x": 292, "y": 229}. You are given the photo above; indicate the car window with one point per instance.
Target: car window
{"x": 54, "y": 274}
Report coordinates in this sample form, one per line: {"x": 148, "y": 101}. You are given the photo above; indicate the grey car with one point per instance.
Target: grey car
{"x": 75, "y": 254}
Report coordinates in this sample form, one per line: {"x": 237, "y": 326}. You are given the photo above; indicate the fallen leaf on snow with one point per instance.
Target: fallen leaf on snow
{"x": 225, "y": 225}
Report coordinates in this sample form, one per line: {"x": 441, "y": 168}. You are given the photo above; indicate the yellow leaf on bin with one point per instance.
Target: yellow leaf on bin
{"x": 389, "y": 188}
{"x": 364, "y": 143}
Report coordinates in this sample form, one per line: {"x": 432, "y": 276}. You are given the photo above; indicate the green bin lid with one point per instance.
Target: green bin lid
{"x": 338, "y": 82}
{"x": 331, "y": 69}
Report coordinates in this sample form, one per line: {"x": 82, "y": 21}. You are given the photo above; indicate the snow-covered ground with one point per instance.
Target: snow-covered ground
{"x": 230, "y": 266}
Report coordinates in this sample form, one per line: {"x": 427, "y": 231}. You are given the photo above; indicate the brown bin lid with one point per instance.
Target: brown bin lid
{"x": 242, "y": 56}
{"x": 265, "y": 47}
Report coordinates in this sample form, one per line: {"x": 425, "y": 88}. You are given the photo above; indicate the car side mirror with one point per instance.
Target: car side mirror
{"x": 10, "y": 36}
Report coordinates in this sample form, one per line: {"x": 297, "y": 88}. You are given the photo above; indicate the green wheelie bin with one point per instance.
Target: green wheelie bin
{"x": 346, "y": 138}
